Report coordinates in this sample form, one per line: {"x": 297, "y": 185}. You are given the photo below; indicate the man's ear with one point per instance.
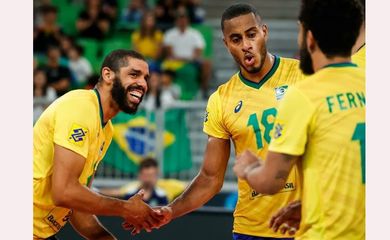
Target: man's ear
{"x": 311, "y": 43}
{"x": 264, "y": 29}
{"x": 107, "y": 75}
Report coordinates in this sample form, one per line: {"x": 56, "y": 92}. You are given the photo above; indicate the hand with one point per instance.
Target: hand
{"x": 165, "y": 212}
{"x": 287, "y": 218}
{"x": 244, "y": 163}
{"x": 139, "y": 215}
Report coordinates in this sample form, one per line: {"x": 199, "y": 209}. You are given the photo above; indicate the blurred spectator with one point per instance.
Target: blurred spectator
{"x": 162, "y": 91}
{"x": 37, "y": 14}
{"x": 134, "y": 12}
{"x": 110, "y": 8}
{"x": 92, "y": 21}
{"x": 148, "y": 175}
{"x": 66, "y": 43}
{"x": 152, "y": 98}
{"x": 186, "y": 44}
{"x": 148, "y": 39}
{"x": 79, "y": 66}
{"x": 231, "y": 201}
{"x": 195, "y": 11}
{"x": 169, "y": 90}
{"x": 43, "y": 94}
{"x": 165, "y": 11}
{"x": 48, "y": 33}
{"x": 58, "y": 76}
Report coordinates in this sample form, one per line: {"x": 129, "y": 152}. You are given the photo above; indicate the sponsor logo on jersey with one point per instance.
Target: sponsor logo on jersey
{"x": 77, "y": 135}
{"x": 289, "y": 186}
{"x": 280, "y": 91}
{"x": 206, "y": 116}
{"x": 238, "y": 107}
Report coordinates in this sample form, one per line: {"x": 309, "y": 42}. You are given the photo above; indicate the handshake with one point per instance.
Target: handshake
{"x": 138, "y": 215}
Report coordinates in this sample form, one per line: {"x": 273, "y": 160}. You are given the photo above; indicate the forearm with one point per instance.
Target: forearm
{"x": 261, "y": 181}
{"x": 89, "y": 226}
{"x": 200, "y": 190}
{"x": 78, "y": 197}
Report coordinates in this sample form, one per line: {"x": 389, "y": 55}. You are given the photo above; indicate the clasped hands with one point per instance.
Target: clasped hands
{"x": 139, "y": 215}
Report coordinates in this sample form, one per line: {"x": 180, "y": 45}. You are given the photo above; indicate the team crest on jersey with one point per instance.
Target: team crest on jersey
{"x": 280, "y": 91}
{"x": 278, "y": 130}
{"x": 77, "y": 135}
{"x": 238, "y": 107}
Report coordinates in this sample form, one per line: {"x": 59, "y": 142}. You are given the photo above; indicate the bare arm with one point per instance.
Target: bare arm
{"x": 209, "y": 180}
{"x": 268, "y": 177}
{"x": 198, "y": 53}
{"x": 68, "y": 192}
{"x": 272, "y": 176}
{"x": 89, "y": 226}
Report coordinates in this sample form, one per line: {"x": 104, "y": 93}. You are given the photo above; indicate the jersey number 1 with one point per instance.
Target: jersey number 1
{"x": 360, "y": 135}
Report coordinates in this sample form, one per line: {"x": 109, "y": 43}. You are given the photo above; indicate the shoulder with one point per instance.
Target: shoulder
{"x": 171, "y": 32}
{"x": 224, "y": 90}
{"x": 78, "y": 101}
{"x": 291, "y": 63}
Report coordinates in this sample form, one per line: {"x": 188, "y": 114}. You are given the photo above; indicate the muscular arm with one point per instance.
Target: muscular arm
{"x": 68, "y": 192}
{"x": 209, "y": 180}
{"x": 272, "y": 176}
{"x": 89, "y": 226}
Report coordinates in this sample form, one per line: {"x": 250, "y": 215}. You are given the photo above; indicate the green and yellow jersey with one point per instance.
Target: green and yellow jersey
{"x": 244, "y": 111}
{"x": 322, "y": 119}
{"x": 74, "y": 121}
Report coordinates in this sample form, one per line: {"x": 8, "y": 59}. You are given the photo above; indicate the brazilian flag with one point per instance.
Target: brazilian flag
{"x": 134, "y": 138}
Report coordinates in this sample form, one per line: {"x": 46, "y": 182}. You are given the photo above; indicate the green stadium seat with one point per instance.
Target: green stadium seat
{"x": 92, "y": 51}
{"x": 68, "y": 13}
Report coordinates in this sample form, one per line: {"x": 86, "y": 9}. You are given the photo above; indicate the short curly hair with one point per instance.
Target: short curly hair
{"x": 335, "y": 24}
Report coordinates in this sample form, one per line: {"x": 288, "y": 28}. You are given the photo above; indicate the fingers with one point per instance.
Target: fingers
{"x": 284, "y": 227}
{"x": 140, "y": 193}
{"x": 137, "y": 229}
{"x": 292, "y": 231}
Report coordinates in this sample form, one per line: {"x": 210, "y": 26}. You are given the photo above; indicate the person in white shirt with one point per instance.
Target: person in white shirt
{"x": 79, "y": 66}
{"x": 187, "y": 44}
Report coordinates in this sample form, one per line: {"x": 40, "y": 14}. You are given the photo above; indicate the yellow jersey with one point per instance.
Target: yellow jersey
{"x": 244, "y": 111}
{"x": 73, "y": 121}
{"x": 148, "y": 45}
{"x": 322, "y": 119}
{"x": 360, "y": 57}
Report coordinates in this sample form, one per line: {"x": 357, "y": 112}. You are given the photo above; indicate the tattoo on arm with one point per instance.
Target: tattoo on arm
{"x": 283, "y": 174}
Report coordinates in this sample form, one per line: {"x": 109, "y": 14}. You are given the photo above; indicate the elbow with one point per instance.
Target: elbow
{"x": 60, "y": 198}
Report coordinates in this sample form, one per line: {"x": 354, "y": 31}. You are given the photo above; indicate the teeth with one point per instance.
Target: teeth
{"x": 136, "y": 94}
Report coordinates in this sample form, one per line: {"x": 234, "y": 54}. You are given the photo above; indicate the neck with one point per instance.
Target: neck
{"x": 110, "y": 108}
{"x": 361, "y": 40}
{"x": 257, "y": 77}
{"x": 321, "y": 61}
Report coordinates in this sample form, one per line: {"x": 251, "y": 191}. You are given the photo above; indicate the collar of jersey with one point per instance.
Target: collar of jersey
{"x": 342, "y": 64}
{"x": 270, "y": 73}
{"x": 100, "y": 107}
